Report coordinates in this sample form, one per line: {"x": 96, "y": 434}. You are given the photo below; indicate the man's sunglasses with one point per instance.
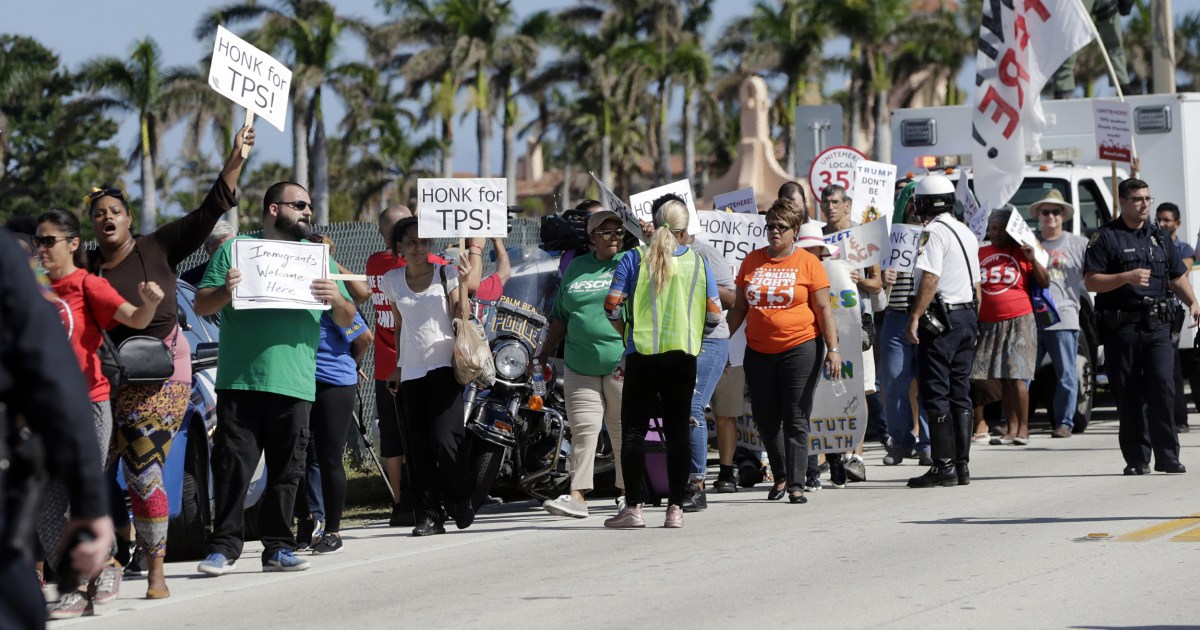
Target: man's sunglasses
{"x": 1051, "y": 212}
{"x": 47, "y": 242}
{"x": 617, "y": 233}
{"x": 299, "y": 205}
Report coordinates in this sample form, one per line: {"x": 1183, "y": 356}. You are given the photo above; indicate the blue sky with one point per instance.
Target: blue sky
{"x": 79, "y": 29}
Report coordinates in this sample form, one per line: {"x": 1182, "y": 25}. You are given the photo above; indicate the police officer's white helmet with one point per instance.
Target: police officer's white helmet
{"x": 934, "y": 195}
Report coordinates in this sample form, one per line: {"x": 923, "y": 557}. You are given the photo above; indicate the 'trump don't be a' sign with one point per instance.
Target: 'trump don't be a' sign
{"x": 250, "y": 77}
{"x": 452, "y": 208}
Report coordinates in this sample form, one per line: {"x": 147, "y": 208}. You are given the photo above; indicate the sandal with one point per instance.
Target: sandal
{"x": 1001, "y": 441}
{"x": 1021, "y": 441}
{"x": 980, "y": 438}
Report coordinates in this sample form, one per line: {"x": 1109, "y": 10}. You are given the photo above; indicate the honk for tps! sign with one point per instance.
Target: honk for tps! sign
{"x": 250, "y": 77}
{"x": 462, "y": 207}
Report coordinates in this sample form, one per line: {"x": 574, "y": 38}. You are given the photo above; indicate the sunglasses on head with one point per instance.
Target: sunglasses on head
{"x": 1051, "y": 212}
{"x": 103, "y": 192}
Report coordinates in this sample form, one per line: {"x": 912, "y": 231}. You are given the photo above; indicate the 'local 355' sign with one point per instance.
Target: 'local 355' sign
{"x": 834, "y": 165}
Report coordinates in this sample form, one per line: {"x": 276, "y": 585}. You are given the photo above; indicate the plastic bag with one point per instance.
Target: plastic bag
{"x": 472, "y": 354}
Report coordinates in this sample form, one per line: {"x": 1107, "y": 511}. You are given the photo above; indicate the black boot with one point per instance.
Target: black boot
{"x": 941, "y": 437}
{"x": 963, "y": 420}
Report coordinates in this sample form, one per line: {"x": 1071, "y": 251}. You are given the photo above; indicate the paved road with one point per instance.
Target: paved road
{"x": 1009, "y": 551}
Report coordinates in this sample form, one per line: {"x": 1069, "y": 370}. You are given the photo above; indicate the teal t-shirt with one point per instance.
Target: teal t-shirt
{"x": 593, "y": 346}
{"x": 265, "y": 350}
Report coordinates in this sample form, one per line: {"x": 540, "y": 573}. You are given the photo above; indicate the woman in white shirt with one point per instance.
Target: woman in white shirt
{"x": 423, "y": 296}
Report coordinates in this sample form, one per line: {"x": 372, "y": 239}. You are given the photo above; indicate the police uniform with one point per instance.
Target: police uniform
{"x": 950, "y": 250}
{"x": 1135, "y": 326}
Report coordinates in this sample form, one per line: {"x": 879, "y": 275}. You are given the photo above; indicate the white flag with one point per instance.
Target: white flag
{"x": 1021, "y": 44}
{"x": 974, "y": 216}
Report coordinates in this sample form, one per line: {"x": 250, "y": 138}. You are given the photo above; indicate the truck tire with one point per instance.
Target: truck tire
{"x": 485, "y": 460}
{"x": 1085, "y": 372}
{"x": 187, "y": 533}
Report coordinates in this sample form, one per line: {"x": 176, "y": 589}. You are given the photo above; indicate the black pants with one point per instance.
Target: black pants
{"x": 21, "y": 602}
{"x": 1140, "y": 370}
{"x": 944, "y": 365}
{"x": 250, "y": 424}
{"x": 781, "y": 395}
{"x": 1181, "y": 405}
{"x": 327, "y": 426}
{"x": 387, "y": 408}
{"x": 432, "y": 424}
{"x": 669, "y": 377}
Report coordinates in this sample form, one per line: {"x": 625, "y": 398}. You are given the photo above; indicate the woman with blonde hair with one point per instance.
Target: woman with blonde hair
{"x": 662, "y": 300}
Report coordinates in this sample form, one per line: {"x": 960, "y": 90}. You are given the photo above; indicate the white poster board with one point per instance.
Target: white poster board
{"x": 614, "y": 203}
{"x": 874, "y": 192}
{"x": 462, "y": 207}
{"x": 278, "y": 274}
{"x": 1019, "y": 230}
{"x": 974, "y": 216}
{"x": 734, "y": 235}
{"x": 902, "y": 248}
{"x": 737, "y": 201}
{"x": 641, "y": 202}
{"x": 862, "y": 245}
{"x": 250, "y": 77}
{"x": 838, "y": 424}
{"x": 1114, "y": 131}
{"x": 834, "y": 165}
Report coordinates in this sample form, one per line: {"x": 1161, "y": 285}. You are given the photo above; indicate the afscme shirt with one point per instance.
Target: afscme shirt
{"x": 1004, "y": 280}
{"x": 940, "y": 253}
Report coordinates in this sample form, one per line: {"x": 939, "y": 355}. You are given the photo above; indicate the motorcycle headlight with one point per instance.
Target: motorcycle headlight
{"x": 512, "y": 361}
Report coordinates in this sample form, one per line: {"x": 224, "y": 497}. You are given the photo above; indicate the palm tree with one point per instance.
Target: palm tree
{"x": 309, "y": 32}
{"x": 513, "y": 58}
{"x": 924, "y": 68}
{"x": 783, "y": 38}
{"x": 872, "y": 27}
{"x": 19, "y": 75}
{"x": 143, "y": 86}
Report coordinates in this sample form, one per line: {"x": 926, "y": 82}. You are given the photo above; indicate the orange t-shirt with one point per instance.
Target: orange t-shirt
{"x": 778, "y": 290}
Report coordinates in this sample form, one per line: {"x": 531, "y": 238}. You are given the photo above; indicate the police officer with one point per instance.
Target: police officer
{"x": 1132, "y": 266}
{"x": 943, "y": 323}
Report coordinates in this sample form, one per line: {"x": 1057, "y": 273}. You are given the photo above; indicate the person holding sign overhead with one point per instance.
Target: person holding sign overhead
{"x": 781, "y": 291}
{"x": 147, "y": 416}
{"x": 266, "y": 384}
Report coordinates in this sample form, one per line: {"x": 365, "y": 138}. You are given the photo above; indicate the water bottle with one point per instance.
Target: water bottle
{"x": 839, "y": 387}
{"x": 539, "y": 380}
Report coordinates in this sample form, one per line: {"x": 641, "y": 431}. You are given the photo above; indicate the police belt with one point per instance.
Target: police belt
{"x": 1124, "y": 316}
{"x": 950, "y": 308}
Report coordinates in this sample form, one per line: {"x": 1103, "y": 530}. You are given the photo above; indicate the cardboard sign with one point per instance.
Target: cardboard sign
{"x": 278, "y": 274}
{"x": 615, "y": 204}
{"x": 973, "y": 215}
{"x": 732, "y": 234}
{"x": 862, "y": 245}
{"x": 641, "y": 202}
{"x": 874, "y": 192}
{"x": 747, "y": 434}
{"x": 250, "y": 77}
{"x": 1019, "y": 230}
{"x": 834, "y": 165}
{"x": 737, "y": 201}
{"x": 1114, "y": 131}
{"x": 838, "y": 424}
{"x": 453, "y": 208}
{"x": 902, "y": 249}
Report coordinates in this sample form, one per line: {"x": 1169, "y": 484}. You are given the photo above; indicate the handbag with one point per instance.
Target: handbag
{"x": 143, "y": 360}
{"x": 472, "y": 354}
{"x": 1045, "y": 313}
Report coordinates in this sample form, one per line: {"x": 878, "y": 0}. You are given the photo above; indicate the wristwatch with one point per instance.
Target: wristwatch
{"x": 833, "y": 350}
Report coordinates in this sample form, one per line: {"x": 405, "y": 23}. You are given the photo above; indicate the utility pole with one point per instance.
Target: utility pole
{"x": 1162, "y": 47}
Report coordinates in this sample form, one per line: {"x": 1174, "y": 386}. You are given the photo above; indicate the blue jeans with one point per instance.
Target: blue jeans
{"x": 898, "y": 369}
{"x": 1062, "y": 346}
{"x": 710, "y": 364}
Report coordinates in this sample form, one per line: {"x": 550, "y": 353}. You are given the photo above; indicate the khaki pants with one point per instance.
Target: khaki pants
{"x": 592, "y": 401}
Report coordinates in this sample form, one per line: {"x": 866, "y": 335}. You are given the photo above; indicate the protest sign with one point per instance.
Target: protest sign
{"x": 1114, "y": 133}
{"x": 452, "y": 208}
{"x": 278, "y": 274}
{"x": 732, "y": 234}
{"x": 738, "y": 201}
{"x": 874, "y": 191}
{"x": 834, "y": 165}
{"x": 747, "y": 434}
{"x": 641, "y": 202}
{"x": 1019, "y": 230}
{"x": 837, "y": 424}
{"x": 903, "y": 246}
{"x": 250, "y": 77}
{"x": 974, "y": 216}
{"x": 862, "y": 245}
{"x": 614, "y": 204}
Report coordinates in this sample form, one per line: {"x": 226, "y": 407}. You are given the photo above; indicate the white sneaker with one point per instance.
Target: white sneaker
{"x": 566, "y": 505}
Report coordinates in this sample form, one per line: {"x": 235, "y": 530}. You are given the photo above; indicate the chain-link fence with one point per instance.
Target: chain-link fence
{"x": 353, "y": 243}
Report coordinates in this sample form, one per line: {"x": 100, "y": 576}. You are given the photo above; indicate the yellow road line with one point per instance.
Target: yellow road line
{"x": 1191, "y": 535}
{"x": 1161, "y": 529}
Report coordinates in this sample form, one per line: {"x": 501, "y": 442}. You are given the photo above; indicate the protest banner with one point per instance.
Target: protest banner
{"x": 614, "y": 203}
{"x": 1019, "y": 230}
{"x": 874, "y": 191}
{"x": 747, "y": 434}
{"x": 462, "y": 207}
{"x": 902, "y": 249}
{"x": 1114, "y": 131}
{"x": 862, "y": 245}
{"x": 278, "y": 274}
{"x": 732, "y": 234}
{"x": 250, "y": 77}
{"x": 641, "y": 202}
{"x": 834, "y": 165}
{"x": 1020, "y": 46}
{"x": 837, "y": 424}
{"x": 737, "y": 201}
{"x": 974, "y": 216}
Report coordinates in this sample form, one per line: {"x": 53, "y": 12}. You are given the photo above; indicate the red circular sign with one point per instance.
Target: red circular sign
{"x": 834, "y": 165}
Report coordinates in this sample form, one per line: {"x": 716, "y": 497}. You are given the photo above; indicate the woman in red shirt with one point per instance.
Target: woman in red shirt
{"x": 87, "y": 305}
{"x": 1007, "y": 346}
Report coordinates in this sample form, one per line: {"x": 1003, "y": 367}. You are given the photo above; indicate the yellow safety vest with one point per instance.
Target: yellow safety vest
{"x": 672, "y": 319}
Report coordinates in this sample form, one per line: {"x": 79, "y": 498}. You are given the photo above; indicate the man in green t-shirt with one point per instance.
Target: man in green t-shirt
{"x": 266, "y": 382}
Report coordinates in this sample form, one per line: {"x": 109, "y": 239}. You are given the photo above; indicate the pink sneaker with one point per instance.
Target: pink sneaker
{"x": 674, "y": 517}
{"x": 628, "y": 517}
